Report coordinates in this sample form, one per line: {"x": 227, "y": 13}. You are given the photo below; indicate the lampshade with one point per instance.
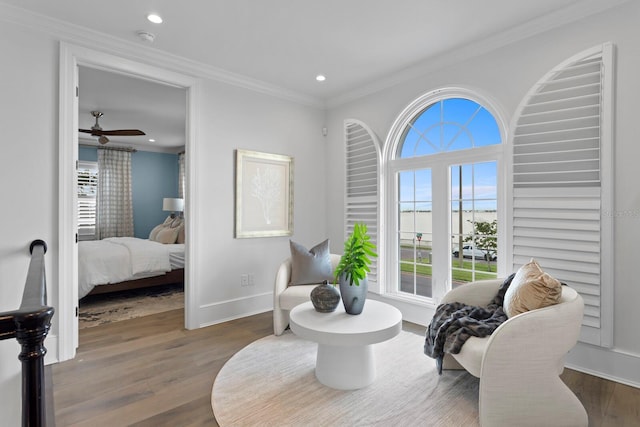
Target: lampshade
{"x": 172, "y": 205}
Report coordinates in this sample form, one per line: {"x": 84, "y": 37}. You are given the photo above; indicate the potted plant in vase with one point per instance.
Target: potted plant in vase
{"x": 351, "y": 272}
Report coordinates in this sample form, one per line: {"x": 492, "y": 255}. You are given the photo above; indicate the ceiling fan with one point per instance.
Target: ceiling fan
{"x": 96, "y": 130}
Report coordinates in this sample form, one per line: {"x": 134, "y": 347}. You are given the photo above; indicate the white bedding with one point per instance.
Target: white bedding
{"x": 117, "y": 259}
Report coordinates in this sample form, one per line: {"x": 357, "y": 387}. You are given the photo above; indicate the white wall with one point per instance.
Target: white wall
{"x": 231, "y": 117}
{"x": 235, "y": 118}
{"x": 28, "y": 159}
{"x": 505, "y": 75}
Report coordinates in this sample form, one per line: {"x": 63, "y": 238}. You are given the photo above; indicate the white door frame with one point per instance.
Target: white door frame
{"x": 72, "y": 56}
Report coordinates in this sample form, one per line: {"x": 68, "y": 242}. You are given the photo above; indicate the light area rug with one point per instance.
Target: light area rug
{"x": 95, "y": 310}
{"x": 272, "y": 382}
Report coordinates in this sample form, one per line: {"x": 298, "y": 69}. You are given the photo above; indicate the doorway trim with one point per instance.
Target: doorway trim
{"x": 72, "y": 56}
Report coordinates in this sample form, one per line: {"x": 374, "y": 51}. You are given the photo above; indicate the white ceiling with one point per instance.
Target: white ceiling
{"x": 131, "y": 103}
{"x": 286, "y": 43}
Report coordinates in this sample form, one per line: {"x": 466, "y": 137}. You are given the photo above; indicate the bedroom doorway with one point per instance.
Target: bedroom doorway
{"x": 145, "y": 122}
{"x": 72, "y": 59}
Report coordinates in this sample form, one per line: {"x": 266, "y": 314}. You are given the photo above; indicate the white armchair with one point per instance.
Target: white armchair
{"x": 286, "y": 297}
{"x": 520, "y": 363}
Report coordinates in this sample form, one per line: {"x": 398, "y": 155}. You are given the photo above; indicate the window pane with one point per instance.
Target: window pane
{"x": 484, "y": 129}
{"x": 449, "y": 125}
{"x": 414, "y": 234}
{"x": 473, "y": 222}
{"x": 406, "y": 188}
{"x": 411, "y": 140}
{"x": 459, "y": 110}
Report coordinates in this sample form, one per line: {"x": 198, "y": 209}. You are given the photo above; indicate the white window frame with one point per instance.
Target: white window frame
{"x": 439, "y": 164}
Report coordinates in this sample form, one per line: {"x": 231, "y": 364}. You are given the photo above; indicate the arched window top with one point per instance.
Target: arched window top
{"x": 448, "y": 124}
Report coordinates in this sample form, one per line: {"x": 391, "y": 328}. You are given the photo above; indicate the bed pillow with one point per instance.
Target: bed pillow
{"x": 167, "y": 235}
{"x": 154, "y": 233}
{"x": 530, "y": 289}
{"x": 176, "y": 222}
{"x": 310, "y": 266}
{"x": 180, "y": 234}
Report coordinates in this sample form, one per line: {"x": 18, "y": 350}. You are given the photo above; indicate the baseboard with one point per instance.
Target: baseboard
{"x": 610, "y": 364}
{"x": 51, "y": 344}
{"x": 224, "y": 311}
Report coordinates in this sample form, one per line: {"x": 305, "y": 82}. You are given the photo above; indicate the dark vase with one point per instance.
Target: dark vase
{"x": 353, "y": 296}
{"x": 325, "y": 297}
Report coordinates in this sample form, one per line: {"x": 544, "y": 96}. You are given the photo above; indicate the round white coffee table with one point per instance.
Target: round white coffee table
{"x": 345, "y": 358}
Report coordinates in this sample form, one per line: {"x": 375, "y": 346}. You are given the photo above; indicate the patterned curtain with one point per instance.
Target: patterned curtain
{"x": 181, "y": 182}
{"x": 114, "y": 205}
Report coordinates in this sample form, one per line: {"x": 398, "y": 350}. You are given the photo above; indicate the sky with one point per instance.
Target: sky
{"x": 450, "y": 125}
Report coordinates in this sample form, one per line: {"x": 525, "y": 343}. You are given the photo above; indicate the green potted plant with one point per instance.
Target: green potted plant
{"x": 351, "y": 272}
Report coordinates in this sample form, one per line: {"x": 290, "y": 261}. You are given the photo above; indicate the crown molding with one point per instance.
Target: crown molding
{"x": 88, "y": 38}
{"x": 566, "y": 15}
{"x": 92, "y": 39}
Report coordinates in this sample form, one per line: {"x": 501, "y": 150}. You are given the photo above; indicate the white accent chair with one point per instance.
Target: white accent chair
{"x": 286, "y": 297}
{"x": 520, "y": 363}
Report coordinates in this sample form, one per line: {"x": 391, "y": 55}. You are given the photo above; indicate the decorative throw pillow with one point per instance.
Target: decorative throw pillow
{"x": 167, "y": 235}
{"x": 309, "y": 266}
{"x": 154, "y": 233}
{"x": 176, "y": 222}
{"x": 530, "y": 289}
{"x": 180, "y": 234}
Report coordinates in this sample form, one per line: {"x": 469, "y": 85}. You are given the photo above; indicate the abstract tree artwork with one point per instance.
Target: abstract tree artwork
{"x": 266, "y": 186}
{"x": 264, "y": 194}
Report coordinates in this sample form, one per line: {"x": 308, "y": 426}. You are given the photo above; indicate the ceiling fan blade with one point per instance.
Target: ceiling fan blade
{"x": 121, "y": 132}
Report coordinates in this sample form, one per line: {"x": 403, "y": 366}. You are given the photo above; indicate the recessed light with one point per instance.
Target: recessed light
{"x": 320, "y": 78}
{"x": 152, "y": 140}
{"x": 154, "y": 18}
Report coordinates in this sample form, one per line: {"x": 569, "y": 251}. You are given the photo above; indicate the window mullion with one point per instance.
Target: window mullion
{"x": 441, "y": 231}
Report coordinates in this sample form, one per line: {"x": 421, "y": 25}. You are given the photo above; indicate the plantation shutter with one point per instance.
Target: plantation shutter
{"x": 361, "y": 204}
{"x": 562, "y": 186}
{"x": 87, "y": 190}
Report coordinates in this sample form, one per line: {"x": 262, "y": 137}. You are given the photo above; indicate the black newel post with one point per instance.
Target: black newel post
{"x": 31, "y": 331}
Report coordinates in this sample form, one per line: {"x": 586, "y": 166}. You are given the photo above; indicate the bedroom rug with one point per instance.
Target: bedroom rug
{"x": 272, "y": 382}
{"x": 100, "y": 309}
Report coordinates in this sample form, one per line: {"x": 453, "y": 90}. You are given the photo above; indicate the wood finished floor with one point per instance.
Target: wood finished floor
{"x": 150, "y": 371}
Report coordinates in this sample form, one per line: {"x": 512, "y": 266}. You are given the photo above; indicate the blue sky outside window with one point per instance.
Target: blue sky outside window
{"x": 449, "y": 125}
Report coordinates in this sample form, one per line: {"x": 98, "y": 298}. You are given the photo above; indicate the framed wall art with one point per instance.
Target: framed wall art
{"x": 264, "y": 194}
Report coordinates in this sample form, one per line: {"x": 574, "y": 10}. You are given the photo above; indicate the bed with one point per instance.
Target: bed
{"x": 120, "y": 263}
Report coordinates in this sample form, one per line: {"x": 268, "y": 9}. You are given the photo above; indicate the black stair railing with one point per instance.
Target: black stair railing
{"x": 29, "y": 325}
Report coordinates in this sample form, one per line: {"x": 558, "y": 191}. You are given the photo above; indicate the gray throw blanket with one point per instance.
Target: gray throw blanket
{"x": 453, "y": 323}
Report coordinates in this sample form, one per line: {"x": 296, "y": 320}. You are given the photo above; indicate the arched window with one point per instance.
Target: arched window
{"x": 448, "y": 125}
{"x": 444, "y": 160}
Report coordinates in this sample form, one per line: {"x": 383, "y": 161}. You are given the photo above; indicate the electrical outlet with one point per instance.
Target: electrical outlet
{"x": 244, "y": 280}
{"x": 251, "y": 280}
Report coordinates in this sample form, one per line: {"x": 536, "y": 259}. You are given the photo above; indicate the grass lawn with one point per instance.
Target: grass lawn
{"x": 460, "y": 274}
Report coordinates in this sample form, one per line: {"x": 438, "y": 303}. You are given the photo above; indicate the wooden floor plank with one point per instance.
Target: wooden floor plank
{"x": 593, "y": 393}
{"x": 624, "y": 407}
{"x": 192, "y": 414}
{"x": 151, "y": 371}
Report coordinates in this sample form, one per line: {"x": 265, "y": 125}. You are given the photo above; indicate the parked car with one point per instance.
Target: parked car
{"x": 468, "y": 251}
